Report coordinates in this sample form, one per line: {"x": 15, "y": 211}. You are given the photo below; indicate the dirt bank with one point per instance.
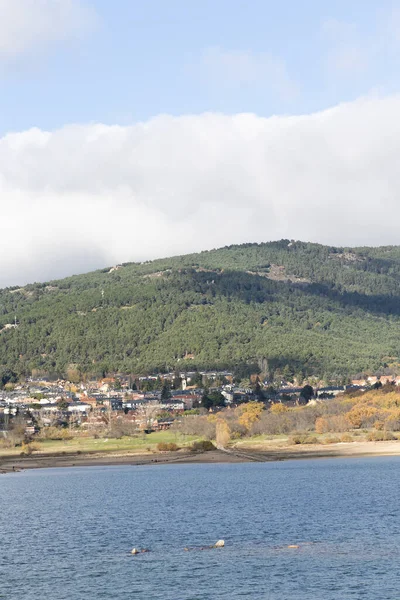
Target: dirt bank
{"x": 244, "y": 454}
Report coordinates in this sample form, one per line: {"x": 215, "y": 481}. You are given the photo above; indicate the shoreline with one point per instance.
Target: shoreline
{"x": 9, "y": 464}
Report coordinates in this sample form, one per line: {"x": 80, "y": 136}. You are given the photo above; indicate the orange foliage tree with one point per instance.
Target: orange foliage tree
{"x": 250, "y": 413}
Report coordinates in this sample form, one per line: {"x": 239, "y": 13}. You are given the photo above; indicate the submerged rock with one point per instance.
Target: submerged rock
{"x": 219, "y": 544}
{"x": 139, "y": 551}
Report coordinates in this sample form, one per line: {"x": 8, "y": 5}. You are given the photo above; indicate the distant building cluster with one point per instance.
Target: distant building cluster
{"x": 150, "y": 402}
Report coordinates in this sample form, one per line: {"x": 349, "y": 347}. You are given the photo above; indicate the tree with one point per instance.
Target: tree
{"x": 250, "y": 413}
{"x": 259, "y": 394}
{"x": 213, "y": 399}
{"x": 222, "y": 433}
{"x": 177, "y": 381}
{"x": 147, "y": 413}
{"x": 117, "y": 384}
{"x": 197, "y": 379}
{"x": 62, "y": 404}
{"x": 287, "y": 373}
{"x": 165, "y": 392}
{"x": 307, "y": 392}
{"x": 7, "y": 376}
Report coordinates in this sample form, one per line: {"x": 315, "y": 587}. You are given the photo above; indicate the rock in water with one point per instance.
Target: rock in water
{"x": 219, "y": 544}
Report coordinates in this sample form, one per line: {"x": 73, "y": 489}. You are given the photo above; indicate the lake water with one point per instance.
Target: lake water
{"x": 66, "y": 534}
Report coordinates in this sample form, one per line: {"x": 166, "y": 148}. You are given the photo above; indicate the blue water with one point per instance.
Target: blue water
{"x": 67, "y": 533}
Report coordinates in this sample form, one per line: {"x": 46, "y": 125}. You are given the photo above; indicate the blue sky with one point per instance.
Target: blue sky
{"x": 139, "y": 59}
{"x": 135, "y": 130}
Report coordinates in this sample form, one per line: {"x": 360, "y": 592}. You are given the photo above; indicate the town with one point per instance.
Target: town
{"x": 150, "y": 403}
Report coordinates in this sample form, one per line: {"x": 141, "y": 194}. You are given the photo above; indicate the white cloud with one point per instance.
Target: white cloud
{"x": 30, "y": 25}
{"x": 236, "y": 68}
{"x": 89, "y": 196}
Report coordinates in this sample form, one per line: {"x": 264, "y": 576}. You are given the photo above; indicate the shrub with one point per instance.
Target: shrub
{"x": 331, "y": 423}
{"x": 202, "y": 446}
{"x": 196, "y": 425}
{"x": 273, "y": 424}
{"x": 346, "y": 437}
{"x": 302, "y": 438}
{"x": 393, "y": 422}
{"x": 362, "y": 415}
{"x": 55, "y": 433}
{"x": 120, "y": 428}
{"x": 14, "y": 439}
{"x": 338, "y": 423}
{"x": 311, "y": 439}
{"x": 296, "y": 439}
{"x": 278, "y": 408}
{"x": 321, "y": 425}
{"x": 28, "y": 449}
{"x": 331, "y": 440}
{"x": 380, "y": 436}
{"x": 167, "y": 447}
{"x": 304, "y": 417}
{"x": 6, "y": 443}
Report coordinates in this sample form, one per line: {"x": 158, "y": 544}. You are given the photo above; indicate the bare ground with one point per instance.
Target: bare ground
{"x": 245, "y": 454}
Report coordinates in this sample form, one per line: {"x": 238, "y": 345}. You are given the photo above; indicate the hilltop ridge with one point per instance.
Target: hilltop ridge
{"x": 302, "y": 308}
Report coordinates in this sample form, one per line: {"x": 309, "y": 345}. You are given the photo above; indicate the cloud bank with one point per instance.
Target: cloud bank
{"x": 88, "y": 196}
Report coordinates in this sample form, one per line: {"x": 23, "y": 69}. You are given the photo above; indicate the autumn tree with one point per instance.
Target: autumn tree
{"x": 250, "y": 413}
{"x": 222, "y": 433}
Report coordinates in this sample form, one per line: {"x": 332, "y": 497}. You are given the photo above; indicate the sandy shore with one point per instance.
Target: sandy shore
{"x": 244, "y": 454}
{"x": 340, "y": 450}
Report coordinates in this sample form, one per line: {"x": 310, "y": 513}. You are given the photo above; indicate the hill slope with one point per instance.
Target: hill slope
{"x": 300, "y": 307}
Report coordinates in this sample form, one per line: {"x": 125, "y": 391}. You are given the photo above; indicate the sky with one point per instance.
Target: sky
{"x": 135, "y": 130}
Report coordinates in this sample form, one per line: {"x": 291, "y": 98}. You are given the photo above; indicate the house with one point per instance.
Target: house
{"x": 385, "y": 379}
{"x": 358, "y": 382}
{"x": 79, "y": 407}
{"x": 50, "y": 408}
{"x": 134, "y": 403}
{"x": 228, "y": 396}
{"x": 89, "y": 400}
{"x": 330, "y": 391}
{"x": 162, "y": 424}
{"x": 31, "y": 429}
{"x": 187, "y": 399}
{"x": 173, "y": 405}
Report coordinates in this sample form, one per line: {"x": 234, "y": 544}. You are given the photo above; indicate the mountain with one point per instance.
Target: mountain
{"x": 299, "y": 307}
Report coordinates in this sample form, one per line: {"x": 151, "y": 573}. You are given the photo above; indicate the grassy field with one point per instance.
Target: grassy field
{"x": 141, "y": 444}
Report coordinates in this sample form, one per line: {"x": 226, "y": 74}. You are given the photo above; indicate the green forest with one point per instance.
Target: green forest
{"x": 298, "y": 308}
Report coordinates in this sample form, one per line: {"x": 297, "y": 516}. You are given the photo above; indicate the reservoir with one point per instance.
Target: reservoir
{"x": 66, "y": 534}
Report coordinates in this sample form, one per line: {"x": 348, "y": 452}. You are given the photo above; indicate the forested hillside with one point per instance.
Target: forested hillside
{"x": 298, "y": 307}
